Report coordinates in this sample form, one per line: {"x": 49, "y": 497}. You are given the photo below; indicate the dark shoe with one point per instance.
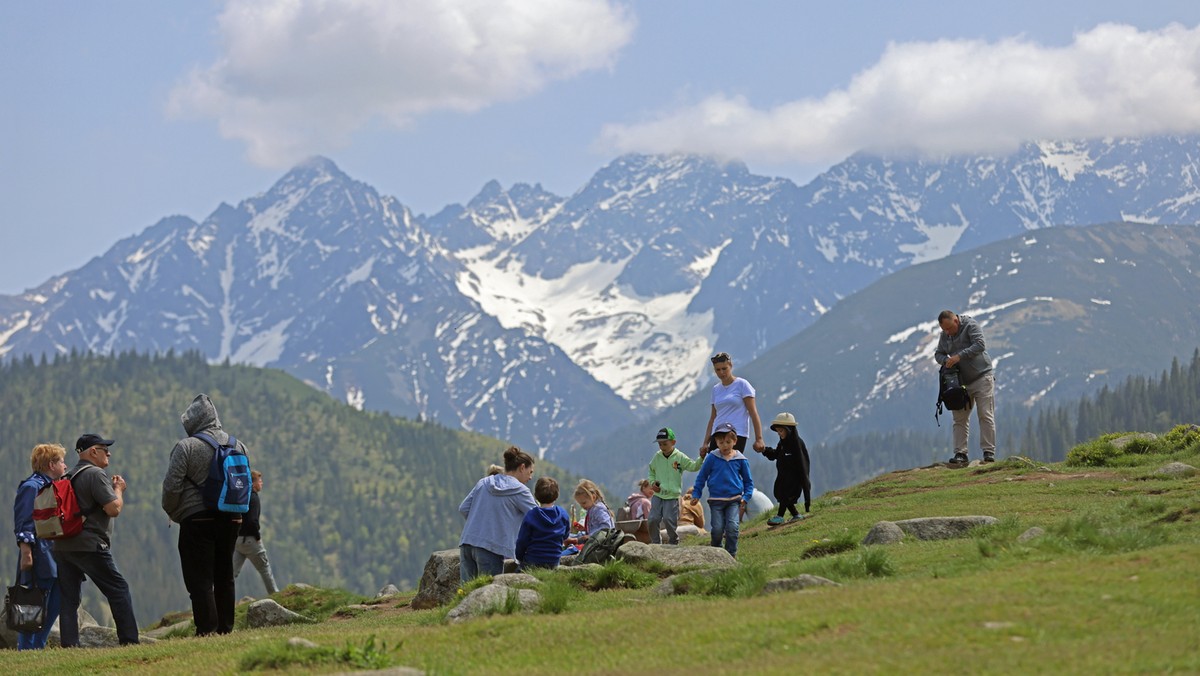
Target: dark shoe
{"x": 989, "y": 457}
{"x": 798, "y": 517}
{"x": 959, "y": 460}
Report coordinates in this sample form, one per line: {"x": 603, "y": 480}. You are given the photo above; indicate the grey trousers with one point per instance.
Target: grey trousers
{"x": 983, "y": 399}
{"x": 666, "y": 514}
{"x": 253, "y": 549}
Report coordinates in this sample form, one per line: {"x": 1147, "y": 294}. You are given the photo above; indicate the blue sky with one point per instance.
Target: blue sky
{"x": 114, "y": 115}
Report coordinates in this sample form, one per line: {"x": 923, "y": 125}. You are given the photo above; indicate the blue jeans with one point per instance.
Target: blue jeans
{"x": 100, "y": 568}
{"x": 37, "y": 641}
{"x": 475, "y": 561}
{"x": 724, "y": 515}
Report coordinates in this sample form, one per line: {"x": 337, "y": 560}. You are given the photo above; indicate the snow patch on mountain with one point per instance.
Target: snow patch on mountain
{"x": 645, "y": 348}
{"x": 1068, "y": 158}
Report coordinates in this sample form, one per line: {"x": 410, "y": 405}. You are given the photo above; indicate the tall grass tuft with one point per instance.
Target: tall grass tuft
{"x": 282, "y": 656}
{"x": 737, "y": 582}
{"x": 557, "y": 595}
{"x": 1088, "y": 533}
{"x": 842, "y": 542}
{"x": 617, "y": 574}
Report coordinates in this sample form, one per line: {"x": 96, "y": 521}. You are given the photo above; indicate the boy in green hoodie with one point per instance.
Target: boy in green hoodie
{"x": 666, "y": 475}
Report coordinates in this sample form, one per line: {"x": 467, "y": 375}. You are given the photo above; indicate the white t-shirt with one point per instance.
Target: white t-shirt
{"x": 731, "y": 406}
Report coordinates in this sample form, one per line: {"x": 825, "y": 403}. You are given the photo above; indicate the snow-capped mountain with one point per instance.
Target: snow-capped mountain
{"x": 659, "y": 261}
{"x": 323, "y": 277}
{"x": 543, "y": 319}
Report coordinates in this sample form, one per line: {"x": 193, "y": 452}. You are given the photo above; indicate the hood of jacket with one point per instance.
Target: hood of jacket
{"x": 200, "y": 416}
{"x": 504, "y": 484}
{"x": 737, "y": 455}
{"x": 544, "y": 518}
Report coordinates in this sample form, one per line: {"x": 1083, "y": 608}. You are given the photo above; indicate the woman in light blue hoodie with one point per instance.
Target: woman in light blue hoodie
{"x": 494, "y": 509}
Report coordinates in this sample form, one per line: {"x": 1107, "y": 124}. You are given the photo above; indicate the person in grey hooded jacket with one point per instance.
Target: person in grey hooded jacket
{"x": 206, "y": 537}
{"x": 494, "y": 509}
{"x": 961, "y": 346}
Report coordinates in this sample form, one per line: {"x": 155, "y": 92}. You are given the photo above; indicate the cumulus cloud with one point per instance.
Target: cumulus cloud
{"x": 297, "y": 77}
{"x": 955, "y": 96}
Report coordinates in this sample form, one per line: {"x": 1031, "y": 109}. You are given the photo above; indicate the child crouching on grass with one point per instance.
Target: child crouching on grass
{"x": 727, "y": 473}
{"x": 544, "y": 528}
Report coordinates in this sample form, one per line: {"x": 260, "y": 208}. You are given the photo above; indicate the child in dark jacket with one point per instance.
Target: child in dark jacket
{"x": 792, "y": 465}
{"x": 544, "y": 528}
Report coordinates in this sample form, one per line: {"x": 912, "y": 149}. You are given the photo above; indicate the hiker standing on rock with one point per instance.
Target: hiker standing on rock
{"x": 733, "y": 403}
{"x": 36, "y": 562}
{"x": 494, "y": 509}
{"x": 961, "y": 346}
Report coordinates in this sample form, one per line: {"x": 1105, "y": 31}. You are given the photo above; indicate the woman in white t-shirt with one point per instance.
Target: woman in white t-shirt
{"x": 732, "y": 402}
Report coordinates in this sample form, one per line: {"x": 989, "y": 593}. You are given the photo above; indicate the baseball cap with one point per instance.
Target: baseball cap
{"x": 665, "y": 434}
{"x": 724, "y": 428}
{"x": 88, "y": 440}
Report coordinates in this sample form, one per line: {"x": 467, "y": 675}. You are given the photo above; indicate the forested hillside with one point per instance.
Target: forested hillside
{"x": 351, "y": 499}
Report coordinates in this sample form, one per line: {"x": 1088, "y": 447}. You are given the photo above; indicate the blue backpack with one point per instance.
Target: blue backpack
{"x": 227, "y": 488}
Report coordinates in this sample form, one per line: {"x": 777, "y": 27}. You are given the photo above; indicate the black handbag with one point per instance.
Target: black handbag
{"x": 25, "y": 608}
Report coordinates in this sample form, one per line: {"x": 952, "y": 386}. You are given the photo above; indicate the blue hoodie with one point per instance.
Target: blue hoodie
{"x": 493, "y": 510}
{"x": 728, "y": 478}
{"x": 540, "y": 539}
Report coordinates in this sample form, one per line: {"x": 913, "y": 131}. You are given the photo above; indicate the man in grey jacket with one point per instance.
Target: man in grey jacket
{"x": 961, "y": 345}
{"x": 206, "y": 536}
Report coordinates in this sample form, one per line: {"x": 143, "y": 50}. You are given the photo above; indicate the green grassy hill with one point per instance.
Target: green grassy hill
{"x": 1110, "y": 587}
{"x": 351, "y": 499}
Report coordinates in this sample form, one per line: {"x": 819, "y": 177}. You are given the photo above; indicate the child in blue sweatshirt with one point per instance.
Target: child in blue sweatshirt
{"x": 544, "y": 528}
{"x": 730, "y": 486}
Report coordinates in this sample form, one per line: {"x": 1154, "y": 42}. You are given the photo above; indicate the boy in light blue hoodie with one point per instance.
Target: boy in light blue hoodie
{"x": 727, "y": 473}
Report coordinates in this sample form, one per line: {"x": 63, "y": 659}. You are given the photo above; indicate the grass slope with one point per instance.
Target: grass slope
{"x": 1110, "y": 587}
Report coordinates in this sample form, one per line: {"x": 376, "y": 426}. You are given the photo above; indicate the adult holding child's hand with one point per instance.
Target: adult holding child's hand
{"x": 733, "y": 403}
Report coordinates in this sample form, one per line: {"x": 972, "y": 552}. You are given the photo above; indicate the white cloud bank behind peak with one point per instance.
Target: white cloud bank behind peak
{"x": 955, "y": 96}
{"x": 298, "y": 77}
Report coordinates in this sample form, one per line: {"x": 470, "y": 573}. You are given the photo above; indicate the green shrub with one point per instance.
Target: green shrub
{"x": 1182, "y": 437}
{"x": 1141, "y": 446}
{"x": 1095, "y": 453}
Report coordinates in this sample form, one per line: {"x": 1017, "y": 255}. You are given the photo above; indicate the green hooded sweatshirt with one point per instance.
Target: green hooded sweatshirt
{"x": 669, "y": 478}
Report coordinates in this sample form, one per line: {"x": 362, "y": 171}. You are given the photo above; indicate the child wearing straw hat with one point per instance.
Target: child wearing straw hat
{"x": 792, "y": 464}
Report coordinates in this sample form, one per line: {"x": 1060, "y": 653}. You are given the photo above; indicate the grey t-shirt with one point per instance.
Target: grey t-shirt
{"x": 93, "y": 490}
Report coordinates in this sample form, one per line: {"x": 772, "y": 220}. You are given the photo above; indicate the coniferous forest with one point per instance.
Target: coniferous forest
{"x": 350, "y": 499}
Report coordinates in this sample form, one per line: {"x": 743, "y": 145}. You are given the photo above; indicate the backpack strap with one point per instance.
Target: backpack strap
{"x": 208, "y": 439}
{"x": 70, "y": 476}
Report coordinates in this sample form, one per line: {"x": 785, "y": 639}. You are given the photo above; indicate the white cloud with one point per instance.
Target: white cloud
{"x": 955, "y": 96}
{"x": 297, "y": 77}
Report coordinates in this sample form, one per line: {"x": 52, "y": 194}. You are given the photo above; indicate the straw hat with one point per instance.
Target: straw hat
{"x": 783, "y": 420}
